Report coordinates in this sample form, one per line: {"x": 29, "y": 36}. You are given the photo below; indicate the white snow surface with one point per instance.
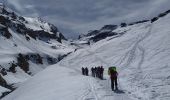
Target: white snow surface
{"x": 142, "y": 58}
{"x": 37, "y": 24}
{"x": 2, "y": 90}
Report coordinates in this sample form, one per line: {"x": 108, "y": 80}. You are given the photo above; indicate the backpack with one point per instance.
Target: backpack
{"x": 111, "y": 69}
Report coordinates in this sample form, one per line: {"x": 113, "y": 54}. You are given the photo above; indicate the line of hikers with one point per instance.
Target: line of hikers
{"x": 98, "y": 72}
{"x": 85, "y": 71}
{"x": 95, "y": 71}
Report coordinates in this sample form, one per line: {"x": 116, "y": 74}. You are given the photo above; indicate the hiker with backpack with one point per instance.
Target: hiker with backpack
{"x": 113, "y": 76}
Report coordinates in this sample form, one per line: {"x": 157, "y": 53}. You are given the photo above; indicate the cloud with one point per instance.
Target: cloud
{"x": 16, "y": 4}
{"x": 73, "y": 17}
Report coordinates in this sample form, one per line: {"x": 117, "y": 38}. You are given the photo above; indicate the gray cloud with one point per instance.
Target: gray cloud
{"x": 73, "y": 17}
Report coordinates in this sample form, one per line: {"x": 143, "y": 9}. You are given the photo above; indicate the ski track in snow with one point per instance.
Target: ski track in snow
{"x": 131, "y": 53}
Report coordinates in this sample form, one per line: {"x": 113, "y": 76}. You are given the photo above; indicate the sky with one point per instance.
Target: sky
{"x": 74, "y": 17}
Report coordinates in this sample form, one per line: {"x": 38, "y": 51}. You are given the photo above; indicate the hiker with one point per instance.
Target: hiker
{"x": 95, "y": 72}
{"x": 92, "y": 71}
{"x": 86, "y": 71}
{"x": 113, "y": 76}
{"x": 83, "y": 71}
{"x": 98, "y": 72}
{"x": 101, "y": 72}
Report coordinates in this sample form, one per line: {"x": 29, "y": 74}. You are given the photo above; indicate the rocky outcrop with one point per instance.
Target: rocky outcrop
{"x": 18, "y": 24}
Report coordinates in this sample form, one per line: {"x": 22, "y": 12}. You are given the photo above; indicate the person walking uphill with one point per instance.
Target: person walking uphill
{"x": 92, "y": 71}
{"x": 102, "y": 71}
{"x": 86, "y": 71}
{"x": 83, "y": 71}
{"x": 113, "y": 76}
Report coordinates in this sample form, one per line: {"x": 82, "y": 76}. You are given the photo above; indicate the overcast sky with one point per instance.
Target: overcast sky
{"x": 73, "y": 17}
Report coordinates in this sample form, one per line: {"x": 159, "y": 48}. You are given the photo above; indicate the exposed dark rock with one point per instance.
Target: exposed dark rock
{"x": 27, "y": 38}
{"x": 109, "y": 27}
{"x": 51, "y": 60}
{"x": 138, "y": 22}
{"x": 15, "y": 45}
{"x": 2, "y": 20}
{"x": 154, "y": 19}
{"x": 12, "y": 68}
{"x": 7, "y": 34}
{"x": 21, "y": 18}
{"x": 3, "y": 71}
{"x": 17, "y": 24}
{"x": 22, "y": 62}
{"x": 102, "y": 36}
{"x": 94, "y": 32}
{"x": 60, "y": 57}
{"x": 2, "y": 81}
{"x": 39, "y": 59}
{"x": 4, "y": 94}
{"x": 123, "y": 24}
{"x": 10, "y": 87}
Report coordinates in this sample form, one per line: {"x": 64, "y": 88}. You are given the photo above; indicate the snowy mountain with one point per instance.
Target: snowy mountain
{"x": 97, "y": 35}
{"x": 108, "y": 30}
{"x": 27, "y": 46}
{"x": 140, "y": 51}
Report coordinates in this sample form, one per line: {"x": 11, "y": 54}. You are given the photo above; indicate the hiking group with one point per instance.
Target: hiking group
{"x": 98, "y": 72}
{"x": 85, "y": 71}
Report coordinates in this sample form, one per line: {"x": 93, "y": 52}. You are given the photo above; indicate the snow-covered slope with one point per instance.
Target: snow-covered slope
{"x": 27, "y": 46}
{"x": 141, "y": 55}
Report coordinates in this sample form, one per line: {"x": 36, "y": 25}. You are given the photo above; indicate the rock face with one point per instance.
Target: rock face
{"x": 33, "y": 27}
{"x": 2, "y": 81}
